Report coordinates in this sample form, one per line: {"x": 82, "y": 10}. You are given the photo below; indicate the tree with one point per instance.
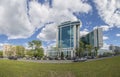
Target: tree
{"x": 36, "y": 47}
{"x": 39, "y": 53}
{"x": 29, "y": 53}
{"x": 80, "y": 49}
{"x": 89, "y": 48}
{"x": 20, "y": 51}
{"x": 31, "y": 44}
{"x": 96, "y": 50}
{"x": 1, "y": 53}
{"x": 62, "y": 55}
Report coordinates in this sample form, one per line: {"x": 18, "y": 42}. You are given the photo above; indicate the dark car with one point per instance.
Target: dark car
{"x": 50, "y": 58}
{"x": 90, "y": 57}
{"x": 12, "y": 57}
{"x": 80, "y": 60}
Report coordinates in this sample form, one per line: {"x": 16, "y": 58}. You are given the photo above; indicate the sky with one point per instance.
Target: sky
{"x": 22, "y": 21}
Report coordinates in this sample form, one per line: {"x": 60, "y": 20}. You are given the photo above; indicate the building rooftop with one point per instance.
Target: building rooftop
{"x": 69, "y": 22}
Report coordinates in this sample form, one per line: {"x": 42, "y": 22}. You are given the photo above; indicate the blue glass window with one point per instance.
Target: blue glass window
{"x": 65, "y": 37}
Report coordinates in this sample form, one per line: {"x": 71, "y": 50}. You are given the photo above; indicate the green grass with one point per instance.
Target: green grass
{"x": 100, "y": 68}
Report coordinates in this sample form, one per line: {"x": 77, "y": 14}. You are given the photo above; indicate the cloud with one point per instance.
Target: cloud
{"x": 19, "y": 19}
{"x": 84, "y": 32}
{"x": 105, "y": 46}
{"x": 1, "y": 46}
{"x": 72, "y": 5}
{"x": 61, "y": 11}
{"x": 104, "y": 27}
{"x": 14, "y": 21}
{"x": 118, "y": 35}
{"x": 109, "y": 11}
{"x": 48, "y": 33}
{"x": 105, "y": 37}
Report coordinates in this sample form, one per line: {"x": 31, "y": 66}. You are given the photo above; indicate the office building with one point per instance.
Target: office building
{"x": 94, "y": 38}
{"x": 68, "y": 37}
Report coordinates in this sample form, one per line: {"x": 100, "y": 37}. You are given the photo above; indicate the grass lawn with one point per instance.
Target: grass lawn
{"x": 100, "y": 68}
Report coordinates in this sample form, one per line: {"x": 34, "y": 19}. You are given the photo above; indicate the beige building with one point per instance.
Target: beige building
{"x": 9, "y": 50}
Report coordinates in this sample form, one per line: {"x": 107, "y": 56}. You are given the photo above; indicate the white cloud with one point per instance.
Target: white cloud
{"x": 118, "y": 35}
{"x": 38, "y": 13}
{"x": 14, "y": 21}
{"x": 84, "y": 32}
{"x": 105, "y": 37}
{"x": 1, "y": 46}
{"x": 105, "y": 46}
{"x": 48, "y": 33}
{"x": 104, "y": 27}
{"x": 72, "y": 5}
{"x": 61, "y": 11}
{"x": 109, "y": 11}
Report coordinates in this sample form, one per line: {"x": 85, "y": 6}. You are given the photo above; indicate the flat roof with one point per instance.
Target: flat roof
{"x": 69, "y": 22}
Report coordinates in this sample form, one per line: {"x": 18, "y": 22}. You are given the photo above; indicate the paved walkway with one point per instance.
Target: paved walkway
{"x": 47, "y": 61}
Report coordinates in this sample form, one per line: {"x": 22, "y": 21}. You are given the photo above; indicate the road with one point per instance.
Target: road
{"x": 59, "y": 61}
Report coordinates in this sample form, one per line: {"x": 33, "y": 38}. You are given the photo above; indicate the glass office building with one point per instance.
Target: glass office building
{"x": 94, "y": 38}
{"x": 68, "y": 37}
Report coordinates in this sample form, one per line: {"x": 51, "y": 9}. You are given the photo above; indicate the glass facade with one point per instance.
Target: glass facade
{"x": 94, "y": 38}
{"x": 66, "y": 37}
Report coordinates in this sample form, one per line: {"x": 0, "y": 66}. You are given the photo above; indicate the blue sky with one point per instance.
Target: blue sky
{"x": 25, "y": 20}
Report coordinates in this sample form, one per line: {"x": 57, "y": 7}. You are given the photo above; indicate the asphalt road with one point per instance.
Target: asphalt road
{"x": 59, "y": 61}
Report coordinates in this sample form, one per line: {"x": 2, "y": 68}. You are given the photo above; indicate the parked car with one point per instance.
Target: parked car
{"x": 80, "y": 60}
{"x": 1, "y": 56}
{"x": 90, "y": 57}
{"x": 50, "y": 58}
{"x": 57, "y": 58}
{"x": 12, "y": 57}
{"x": 69, "y": 58}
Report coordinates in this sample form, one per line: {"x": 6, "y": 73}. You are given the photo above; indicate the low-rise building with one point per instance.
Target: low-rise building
{"x": 12, "y": 50}
{"x": 9, "y": 50}
{"x": 114, "y": 48}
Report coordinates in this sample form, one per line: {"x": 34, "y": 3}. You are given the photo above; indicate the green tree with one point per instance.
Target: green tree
{"x": 62, "y": 55}
{"x": 96, "y": 51}
{"x": 80, "y": 49}
{"x": 31, "y": 44}
{"x": 1, "y": 53}
{"x": 89, "y": 48}
{"x": 36, "y": 47}
{"x": 20, "y": 51}
{"x": 39, "y": 53}
{"x": 29, "y": 53}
